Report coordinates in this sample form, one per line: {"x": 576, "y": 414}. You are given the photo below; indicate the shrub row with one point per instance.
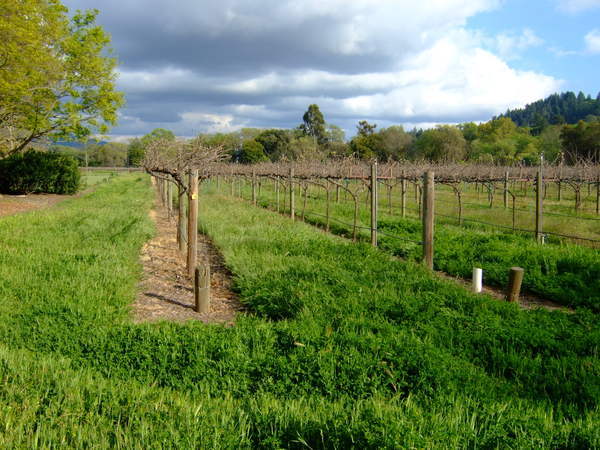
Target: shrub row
{"x": 39, "y": 172}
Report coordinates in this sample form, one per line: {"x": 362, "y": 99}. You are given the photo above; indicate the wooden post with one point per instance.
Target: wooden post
{"x": 161, "y": 191}
{"x": 539, "y": 207}
{"x": 192, "y": 243}
{"x": 515, "y": 279}
{"x": 505, "y": 190}
{"x": 428, "y": 218}
{"x": 403, "y": 197}
{"x": 374, "y": 204}
{"x": 598, "y": 196}
{"x": 202, "y": 288}
{"x": 181, "y": 225}
{"x": 277, "y": 193}
{"x": 327, "y": 211}
{"x": 292, "y": 200}
{"x": 166, "y": 193}
{"x": 170, "y": 199}
{"x": 253, "y": 187}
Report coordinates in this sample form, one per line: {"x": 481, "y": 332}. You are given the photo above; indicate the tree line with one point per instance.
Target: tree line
{"x": 500, "y": 141}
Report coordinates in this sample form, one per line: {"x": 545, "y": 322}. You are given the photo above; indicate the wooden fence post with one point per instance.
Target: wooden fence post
{"x": 277, "y": 193}
{"x": 505, "y": 190}
{"x": 428, "y": 217}
{"x": 202, "y": 288}
{"x": 539, "y": 207}
{"x": 515, "y": 279}
{"x": 253, "y": 187}
{"x": 374, "y": 204}
{"x": 181, "y": 225}
{"x": 170, "y": 199}
{"x": 598, "y": 196}
{"x": 403, "y": 197}
{"x": 292, "y": 199}
{"x": 192, "y": 244}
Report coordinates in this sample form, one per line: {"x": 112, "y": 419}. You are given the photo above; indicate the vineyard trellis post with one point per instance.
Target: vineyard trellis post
{"x": 170, "y": 198}
{"x": 202, "y": 288}
{"x": 428, "y": 217}
{"x": 292, "y": 199}
{"x": 254, "y": 187}
{"x": 539, "y": 206}
{"x": 374, "y": 204}
{"x": 598, "y": 196}
{"x": 192, "y": 238}
{"x": 403, "y": 196}
{"x": 181, "y": 224}
{"x": 505, "y": 196}
{"x": 515, "y": 280}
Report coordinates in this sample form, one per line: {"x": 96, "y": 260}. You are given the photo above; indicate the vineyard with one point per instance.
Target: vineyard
{"x": 342, "y": 345}
{"x": 492, "y": 223}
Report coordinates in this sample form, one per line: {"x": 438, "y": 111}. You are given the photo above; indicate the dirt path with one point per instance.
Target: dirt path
{"x": 526, "y": 300}
{"x": 166, "y": 292}
{"x": 15, "y": 204}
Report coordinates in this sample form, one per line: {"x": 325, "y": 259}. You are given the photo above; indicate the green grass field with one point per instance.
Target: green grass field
{"x": 560, "y": 271}
{"x": 343, "y": 346}
{"x": 93, "y": 177}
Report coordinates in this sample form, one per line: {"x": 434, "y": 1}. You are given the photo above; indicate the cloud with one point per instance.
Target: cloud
{"x": 203, "y": 66}
{"x": 510, "y": 45}
{"x": 592, "y": 41}
{"x": 577, "y": 6}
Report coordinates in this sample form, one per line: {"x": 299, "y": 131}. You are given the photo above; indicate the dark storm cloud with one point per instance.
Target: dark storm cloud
{"x": 200, "y": 65}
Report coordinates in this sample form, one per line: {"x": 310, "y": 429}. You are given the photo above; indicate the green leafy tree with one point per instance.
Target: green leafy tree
{"x": 364, "y": 128}
{"x": 581, "y": 142}
{"x": 111, "y": 154}
{"x": 252, "y": 152}
{"x": 139, "y": 148}
{"x": 333, "y": 133}
{"x": 57, "y": 76}
{"x": 396, "y": 143}
{"x": 135, "y": 153}
{"x": 276, "y": 143}
{"x": 443, "y": 143}
{"x": 314, "y": 124}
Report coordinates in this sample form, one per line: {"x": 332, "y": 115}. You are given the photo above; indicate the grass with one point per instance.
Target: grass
{"x": 559, "y": 271}
{"x": 95, "y": 177}
{"x": 345, "y": 347}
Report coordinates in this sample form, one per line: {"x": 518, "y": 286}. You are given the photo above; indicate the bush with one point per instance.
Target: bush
{"x": 39, "y": 172}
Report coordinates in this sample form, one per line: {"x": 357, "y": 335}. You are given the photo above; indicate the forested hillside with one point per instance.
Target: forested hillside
{"x": 557, "y": 109}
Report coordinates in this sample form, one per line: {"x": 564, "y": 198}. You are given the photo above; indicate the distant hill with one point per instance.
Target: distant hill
{"x": 556, "y": 109}
{"x": 78, "y": 144}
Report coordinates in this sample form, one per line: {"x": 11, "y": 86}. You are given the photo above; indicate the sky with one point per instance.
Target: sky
{"x": 205, "y": 66}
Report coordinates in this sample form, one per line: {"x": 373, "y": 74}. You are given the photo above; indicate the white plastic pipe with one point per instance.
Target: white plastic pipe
{"x": 477, "y": 280}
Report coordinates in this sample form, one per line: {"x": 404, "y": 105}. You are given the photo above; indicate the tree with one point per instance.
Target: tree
{"x": 364, "y": 128}
{"x": 135, "y": 152}
{"x": 443, "y": 143}
{"x": 314, "y": 124}
{"x": 57, "y": 77}
{"x": 396, "y": 143}
{"x": 334, "y": 133}
{"x": 276, "y": 143}
{"x": 137, "y": 147}
{"x": 252, "y": 152}
{"x": 110, "y": 154}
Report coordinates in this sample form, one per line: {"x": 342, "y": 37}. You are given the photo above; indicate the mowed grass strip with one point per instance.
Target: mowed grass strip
{"x": 565, "y": 273}
{"x": 345, "y": 346}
